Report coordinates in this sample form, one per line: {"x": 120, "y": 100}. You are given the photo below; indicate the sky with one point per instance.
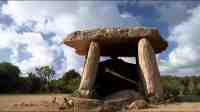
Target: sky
{"x": 32, "y": 32}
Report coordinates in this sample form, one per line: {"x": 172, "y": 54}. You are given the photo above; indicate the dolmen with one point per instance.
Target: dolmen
{"x": 139, "y": 42}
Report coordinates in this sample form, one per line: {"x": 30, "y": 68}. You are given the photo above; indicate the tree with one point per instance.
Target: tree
{"x": 36, "y": 83}
{"x": 9, "y": 74}
{"x": 71, "y": 81}
{"x": 23, "y": 85}
{"x": 46, "y": 74}
{"x": 171, "y": 85}
{"x": 184, "y": 82}
{"x": 192, "y": 86}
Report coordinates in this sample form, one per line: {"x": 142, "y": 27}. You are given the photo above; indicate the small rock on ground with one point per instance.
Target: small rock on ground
{"x": 138, "y": 104}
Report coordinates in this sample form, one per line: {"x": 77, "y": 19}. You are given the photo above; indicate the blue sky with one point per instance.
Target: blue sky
{"x": 31, "y": 32}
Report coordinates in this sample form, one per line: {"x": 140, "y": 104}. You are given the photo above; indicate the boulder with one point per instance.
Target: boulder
{"x": 115, "y": 41}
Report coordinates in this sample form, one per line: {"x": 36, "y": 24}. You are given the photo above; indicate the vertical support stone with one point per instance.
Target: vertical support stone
{"x": 149, "y": 68}
{"x": 141, "y": 84}
{"x": 90, "y": 70}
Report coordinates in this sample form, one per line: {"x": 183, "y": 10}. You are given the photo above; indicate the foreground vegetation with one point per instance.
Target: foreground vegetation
{"x": 43, "y": 81}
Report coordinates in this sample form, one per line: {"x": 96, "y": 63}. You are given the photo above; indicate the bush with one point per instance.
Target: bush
{"x": 71, "y": 81}
{"x": 8, "y": 77}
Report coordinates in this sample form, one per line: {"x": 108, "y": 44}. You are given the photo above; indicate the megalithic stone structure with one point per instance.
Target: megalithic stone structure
{"x": 149, "y": 68}
{"x": 90, "y": 69}
{"x": 140, "y": 42}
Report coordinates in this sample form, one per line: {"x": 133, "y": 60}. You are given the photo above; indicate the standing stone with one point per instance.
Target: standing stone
{"x": 141, "y": 84}
{"x": 90, "y": 69}
{"x": 149, "y": 68}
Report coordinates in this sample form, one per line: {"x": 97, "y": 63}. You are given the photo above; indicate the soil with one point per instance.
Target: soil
{"x": 57, "y": 103}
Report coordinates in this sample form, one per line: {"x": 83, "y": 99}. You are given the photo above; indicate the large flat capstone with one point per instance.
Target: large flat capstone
{"x": 115, "y": 41}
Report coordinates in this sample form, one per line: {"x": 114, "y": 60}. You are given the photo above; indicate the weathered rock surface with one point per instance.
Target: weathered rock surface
{"x": 149, "y": 69}
{"x": 90, "y": 70}
{"x": 115, "y": 41}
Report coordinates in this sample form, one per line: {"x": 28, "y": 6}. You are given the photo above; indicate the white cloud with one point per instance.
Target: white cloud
{"x": 73, "y": 60}
{"x": 40, "y": 52}
{"x": 22, "y": 11}
{"x": 185, "y": 57}
{"x": 126, "y": 15}
{"x": 173, "y": 12}
{"x": 61, "y": 18}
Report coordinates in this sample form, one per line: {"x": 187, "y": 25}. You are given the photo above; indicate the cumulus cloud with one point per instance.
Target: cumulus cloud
{"x": 27, "y": 43}
{"x": 185, "y": 57}
{"x": 22, "y": 11}
{"x": 34, "y": 19}
{"x": 173, "y": 12}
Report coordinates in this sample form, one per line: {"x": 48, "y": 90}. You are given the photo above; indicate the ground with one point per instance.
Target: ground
{"x": 54, "y": 102}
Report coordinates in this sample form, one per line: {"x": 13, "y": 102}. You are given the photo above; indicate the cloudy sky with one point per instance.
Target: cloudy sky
{"x": 31, "y": 32}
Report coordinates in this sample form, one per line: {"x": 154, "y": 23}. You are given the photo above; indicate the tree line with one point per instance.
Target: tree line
{"x": 181, "y": 86}
{"x": 43, "y": 81}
